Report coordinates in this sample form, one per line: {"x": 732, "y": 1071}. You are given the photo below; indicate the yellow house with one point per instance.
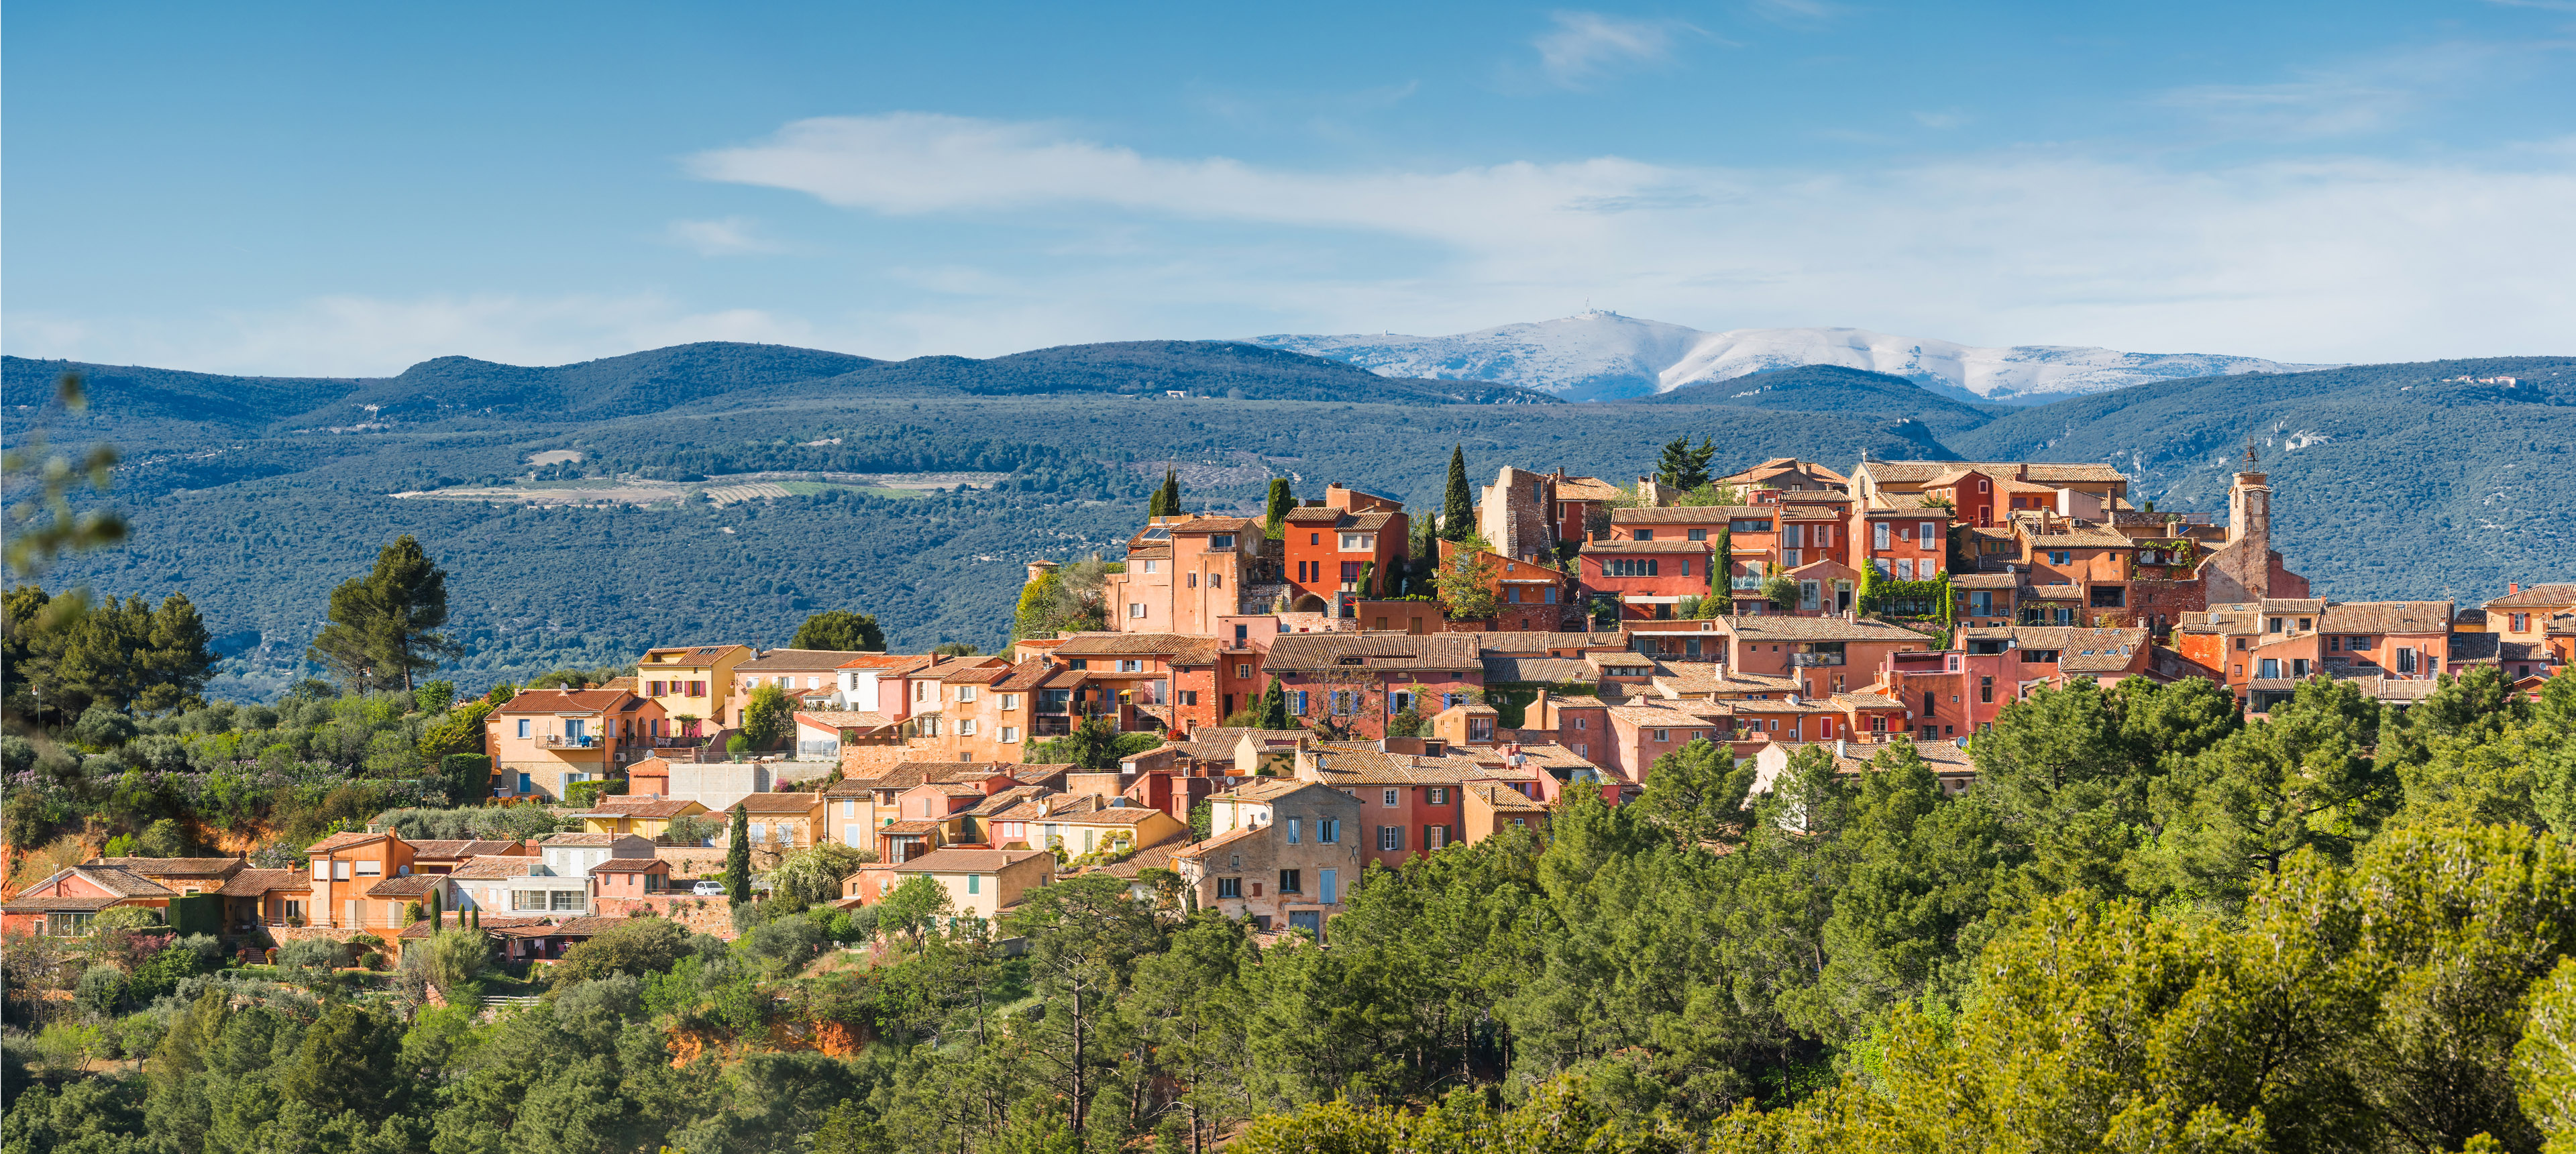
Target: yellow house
{"x": 642, "y": 816}
{"x": 694, "y": 686}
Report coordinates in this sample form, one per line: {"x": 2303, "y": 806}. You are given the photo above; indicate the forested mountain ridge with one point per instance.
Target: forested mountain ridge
{"x": 1833, "y": 389}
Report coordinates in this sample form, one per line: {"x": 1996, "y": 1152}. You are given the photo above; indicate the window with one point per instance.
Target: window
{"x": 1663, "y": 735}
{"x": 568, "y": 901}
{"x": 2522, "y": 622}
{"x": 1699, "y": 534}
{"x": 371, "y": 869}
{"x": 2406, "y": 661}
{"x": 966, "y": 727}
{"x": 1350, "y": 571}
{"x": 1629, "y": 567}
{"x": 1581, "y": 723}
{"x": 1294, "y": 825}
{"x": 1328, "y": 831}
{"x": 653, "y": 688}
{"x": 1216, "y": 580}
{"x": 1986, "y": 690}
{"x": 1135, "y": 609}
{"x": 1358, "y": 542}
{"x": 1645, "y": 534}
{"x": 2271, "y": 669}
{"x": 1290, "y": 882}
{"x": 1878, "y": 535}
{"x": 2354, "y": 644}
{"x": 1188, "y": 696}
{"x": 1220, "y": 540}
{"x": 523, "y": 727}
{"x": 1582, "y": 750}
{"x": 1925, "y": 533}
{"x": 2061, "y": 557}
{"x": 1229, "y": 887}
{"x": 528, "y": 900}
{"x": 2110, "y": 597}
{"x": 1300, "y": 695}
{"x": 1152, "y": 565}
{"x": 339, "y": 871}
{"x": 1434, "y": 836}
{"x": 1130, "y": 665}
{"x": 1388, "y": 798}
{"x": 974, "y": 883}
{"x": 1390, "y": 838}
{"x": 1904, "y": 568}
{"x": 1314, "y": 538}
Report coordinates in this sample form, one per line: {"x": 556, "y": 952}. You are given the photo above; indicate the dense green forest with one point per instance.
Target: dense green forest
{"x": 1833, "y": 389}
{"x": 2150, "y": 925}
{"x": 254, "y": 496}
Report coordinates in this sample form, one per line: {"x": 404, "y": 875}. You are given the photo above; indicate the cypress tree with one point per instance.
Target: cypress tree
{"x": 1167, "y": 498}
{"x": 1458, "y": 510}
{"x": 1274, "y": 705}
{"x": 437, "y": 910}
{"x": 1275, "y": 524}
{"x": 738, "y": 858}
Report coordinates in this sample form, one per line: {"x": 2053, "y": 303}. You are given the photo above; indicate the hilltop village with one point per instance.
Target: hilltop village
{"x": 1263, "y": 706}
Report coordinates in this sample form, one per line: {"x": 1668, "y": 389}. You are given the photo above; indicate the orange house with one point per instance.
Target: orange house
{"x": 543, "y": 740}
{"x": 62, "y": 905}
{"x": 1329, "y": 546}
{"x": 344, "y": 866}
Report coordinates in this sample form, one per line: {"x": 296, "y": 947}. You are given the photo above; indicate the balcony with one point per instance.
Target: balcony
{"x": 560, "y": 741}
{"x": 1814, "y": 660}
{"x": 1743, "y": 584}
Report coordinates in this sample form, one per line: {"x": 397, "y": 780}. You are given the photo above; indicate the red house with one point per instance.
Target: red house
{"x": 1360, "y": 679}
{"x": 62, "y": 905}
{"x": 1341, "y": 548}
{"x": 1646, "y": 578}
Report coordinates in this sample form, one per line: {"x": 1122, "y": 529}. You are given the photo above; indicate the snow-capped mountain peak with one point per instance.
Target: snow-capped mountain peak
{"x": 1601, "y": 355}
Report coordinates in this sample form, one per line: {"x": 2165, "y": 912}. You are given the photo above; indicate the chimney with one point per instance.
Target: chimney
{"x": 1841, "y": 749}
{"x": 2512, "y": 587}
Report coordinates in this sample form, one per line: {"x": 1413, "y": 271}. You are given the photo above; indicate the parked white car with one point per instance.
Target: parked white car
{"x": 708, "y": 889}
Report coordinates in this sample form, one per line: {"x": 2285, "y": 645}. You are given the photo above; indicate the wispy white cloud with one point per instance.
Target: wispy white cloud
{"x": 356, "y": 335}
{"x": 2360, "y": 95}
{"x": 1583, "y": 45}
{"x": 1795, "y": 12}
{"x": 728, "y": 236}
{"x": 2335, "y": 260}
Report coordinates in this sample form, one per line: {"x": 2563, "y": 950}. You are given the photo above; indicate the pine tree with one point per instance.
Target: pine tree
{"x": 1684, "y": 468}
{"x": 381, "y": 624}
{"x": 1275, "y": 523}
{"x": 1457, "y": 510}
{"x": 738, "y": 858}
{"x": 1166, "y": 501}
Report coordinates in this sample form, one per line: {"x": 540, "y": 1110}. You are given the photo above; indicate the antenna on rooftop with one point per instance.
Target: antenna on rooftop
{"x": 2250, "y": 456}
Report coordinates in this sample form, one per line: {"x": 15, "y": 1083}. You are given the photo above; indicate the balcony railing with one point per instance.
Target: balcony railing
{"x": 1743, "y": 583}
{"x": 559, "y": 741}
{"x": 1814, "y": 660}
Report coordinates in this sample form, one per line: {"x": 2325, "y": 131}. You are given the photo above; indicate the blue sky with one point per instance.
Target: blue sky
{"x": 346, "y": 189}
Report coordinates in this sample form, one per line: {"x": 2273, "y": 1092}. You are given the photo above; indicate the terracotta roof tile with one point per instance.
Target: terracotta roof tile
{"x": 779, "y": 803}
{"x": 967, "y": 861}
{"x": 253, "y": 883}
{"x": 799, "y": 661}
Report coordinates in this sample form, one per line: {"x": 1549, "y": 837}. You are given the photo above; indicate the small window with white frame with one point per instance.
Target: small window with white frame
{"x": 1358, "y": 542}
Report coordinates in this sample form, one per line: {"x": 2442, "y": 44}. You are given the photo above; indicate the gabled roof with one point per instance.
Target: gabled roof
{"x": 1505, "y": 798}
{"x": 1302, "y": 652}
{"x": 1220, "y": 841}
{"x": 1345, "y": 764}
{"x": 408, "y": 886}
{"x": 1586, "y": 489}
{"x": 570, "y": 701}
{"x": 641, "y": 807}
{"x": 799, "y": 661}
{"x": 2386, "y": 617}
{"x": 632, "y": 865}
{"x": 174, "y": 866}
{"x": 1263, "y": 789}
{"x": 1766, "y": 628}
{"x": 451, "y": 850}
{"x": 966, "y": 861}
{"x": 1217, "y": 742}
{"x": 120, "y": 882}
{"x": 1690, "y": 514}
{"x": 498, "y": 867}
{"x": 2552, "y": 596}
{"x": 1124, "y": 644}
{"x": 686, "y": 656}
{"x": 779, "y": 803}
{"x": 862, "y": 720}
{"x": 1500, "y": 670}
{"x": 1656, "y": 546}
{"x": 344, "y": 840}
{"x": 253, "y": 883}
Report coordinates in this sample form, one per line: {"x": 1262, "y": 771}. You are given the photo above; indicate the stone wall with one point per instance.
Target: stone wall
{"x": 701, "y": 915}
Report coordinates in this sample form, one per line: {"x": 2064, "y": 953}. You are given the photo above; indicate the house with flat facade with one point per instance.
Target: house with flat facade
{"x": 344, "y": 866}
{"x": 543, "y": 740}
{"x": 802, "y": 674}
{"x": 693, "y": 685}
{"x": 780, "y": 821}
{"x": 981, "y": 883}
{"x": 265, "y": 897}
{"x": 1358, "y": 680}
{"x": 1341, "y": 549}
{"x": 1410, "y": 805}
{"x": 1184, "y": 573}
{"x": 1648, "y": 579}
{"x": 1824, "y": 655}
{"x": 1282, "y": 855}
{"x": 65, "y": 902}
{"x": 645, "y": 817}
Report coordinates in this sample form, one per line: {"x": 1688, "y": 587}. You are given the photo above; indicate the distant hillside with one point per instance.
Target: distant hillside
{"x": 2388, "y": 480}
{"x": 725, "y": 373}
{"x": 1833, "y": 389}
